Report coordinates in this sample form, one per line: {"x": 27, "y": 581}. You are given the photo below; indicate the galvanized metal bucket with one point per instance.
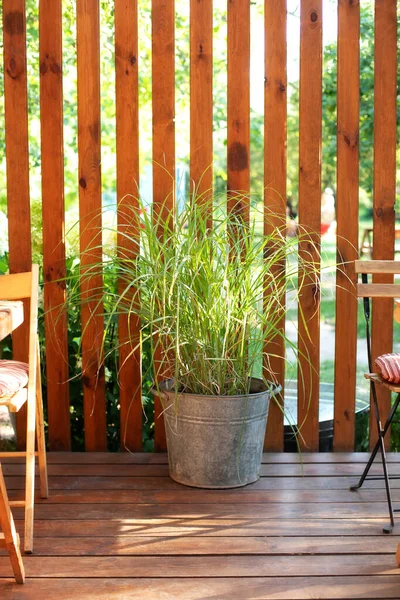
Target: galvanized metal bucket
{"x": 215, "y": 441}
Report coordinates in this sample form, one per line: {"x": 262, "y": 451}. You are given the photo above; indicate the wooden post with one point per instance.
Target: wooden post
{"x": 88, "y": 50}
{"x": 348, "y": 99}
{"x": 310, "y": 217}
{"x": 17, "y": 165}
{"x": 275, "y": 182}
{"x": 385, "y": 90}
{"x": 163, "y": 20}
{"x": 127, "y": 115}
{"x": 201, "y": 99}
{"x": 238, "y": 141}
{"x": 51, "y": 103}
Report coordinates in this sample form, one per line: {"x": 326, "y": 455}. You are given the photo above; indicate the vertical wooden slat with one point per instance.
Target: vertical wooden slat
{"x": 275, "y": 180}
{"x": 201, "y": 99}
{"x": 348, "y": 100}
{"x": 163, "y": 70}
{"x": 127, "y": 121}
{"x": 88, "y": 52}
{"x": 385, "y": 88}
{"x": 51, "y": 105}
{"x": 310, "y": 216}
{"x": 17, "y": 164}
{"x": 238, "y": 134}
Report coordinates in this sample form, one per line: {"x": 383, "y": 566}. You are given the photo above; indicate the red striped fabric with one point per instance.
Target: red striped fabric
{"x": 388, "y": 365}
{"x": 13, "y": 376}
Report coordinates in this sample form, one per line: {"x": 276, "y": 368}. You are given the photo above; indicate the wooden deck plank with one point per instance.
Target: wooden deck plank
{"x": 159, "y": 458}
{"x": 15, "y": 482}
{"x": 204, "y": 566}
{"x": 188, "y": 496}
{"x": 181, "y": 512}
{"x": 256, "y": 588}
{"x": 308, "y": 470}
{"x": 228, "y": 546}
{"x": 207, "y": 527}
{"x": 111, "y": 536}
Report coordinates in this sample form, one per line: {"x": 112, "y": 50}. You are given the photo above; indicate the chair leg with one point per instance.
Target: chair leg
{"x": 41, "y": 441}
{"x": 380, "y": 445}
{"x": 30, "y": 472}
{"x": 10, "y": 535}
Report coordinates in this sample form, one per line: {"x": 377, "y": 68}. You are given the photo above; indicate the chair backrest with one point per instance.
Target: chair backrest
{"x": 375, "y": 289}
{"x": 20, "y": 285}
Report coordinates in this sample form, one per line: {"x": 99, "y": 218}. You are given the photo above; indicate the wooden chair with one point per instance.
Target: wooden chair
{"x": 9, "y": 537}
{"x": 366, "y": 291}
{"x": 17, "y": 287}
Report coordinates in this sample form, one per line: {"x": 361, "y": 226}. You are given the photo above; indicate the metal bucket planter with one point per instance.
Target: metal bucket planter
{"x": 215, "y": 441}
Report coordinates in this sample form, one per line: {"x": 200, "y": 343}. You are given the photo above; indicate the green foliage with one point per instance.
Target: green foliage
{"x": 205, "y": 316}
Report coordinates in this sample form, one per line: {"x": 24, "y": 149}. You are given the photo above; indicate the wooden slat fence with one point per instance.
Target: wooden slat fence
{"x": 310, "y": 136}
{"x": 238, "y": 161}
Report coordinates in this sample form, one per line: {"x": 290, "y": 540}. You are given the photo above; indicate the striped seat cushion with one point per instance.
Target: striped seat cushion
{"x": 13, "y": 376}
{"x": 388, "y": 365}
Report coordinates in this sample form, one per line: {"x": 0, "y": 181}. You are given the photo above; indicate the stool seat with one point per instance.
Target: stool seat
{"x": 377, "y": 378}
{"x": 13, "y": 377}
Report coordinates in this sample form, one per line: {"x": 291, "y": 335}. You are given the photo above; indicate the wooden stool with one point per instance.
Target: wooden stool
{"x": 9, "y": 537}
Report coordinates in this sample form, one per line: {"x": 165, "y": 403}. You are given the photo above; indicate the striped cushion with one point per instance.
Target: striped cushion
{"x": 13, "y": 376}
{"x": 388, "y": 365}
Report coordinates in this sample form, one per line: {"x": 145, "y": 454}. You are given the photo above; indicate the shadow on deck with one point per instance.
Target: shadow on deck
{"x": 117, "y": 527}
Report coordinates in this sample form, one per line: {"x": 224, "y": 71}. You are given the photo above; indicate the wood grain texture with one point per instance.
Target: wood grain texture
{"x": 127, "y": 130}
{"x": 201, "y": 98}
{"x": 379, "y": 290}
{"x": 262, "y": 588}
{"x": 89, "y": 132}
{"x": 348, "y": 100}
{"x": 130, "y": 545}
{"x": 211, "y": 497}
{"x": 275, "y": 132}
{"x": 163, "y": 88}
{"x": 310, "y": 218}
{"x": 179, "y": 542}
{"x": 385, "y": 90}
{"x": 377, "y": 266}
{"x": 238, "y": 132}
{"x": 52, "y": 146}
{"x": 313, "y": 469}
{"x": 17, "y": 165}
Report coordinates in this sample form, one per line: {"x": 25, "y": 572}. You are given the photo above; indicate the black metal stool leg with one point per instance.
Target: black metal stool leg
{"x": 353, "y": 488}
{"x": 380, "y": 445}
{"x": 389, "y": 528}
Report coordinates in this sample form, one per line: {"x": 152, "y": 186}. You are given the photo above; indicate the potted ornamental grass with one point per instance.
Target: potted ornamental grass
{"x": 210, "y": 290}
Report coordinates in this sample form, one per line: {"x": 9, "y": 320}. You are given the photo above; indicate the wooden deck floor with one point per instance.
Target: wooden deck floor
{"x": 117, "y": 527}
